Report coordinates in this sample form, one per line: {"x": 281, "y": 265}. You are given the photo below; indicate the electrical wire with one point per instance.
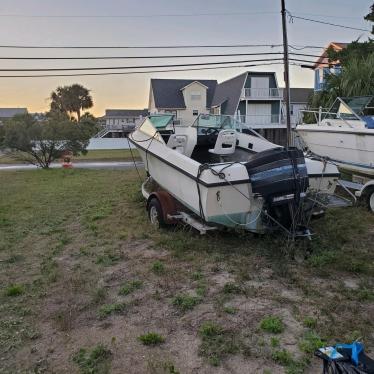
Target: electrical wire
{"x": 147, "y": 66}
{"x": 141, "y": 47}
{"x": 152, "y": 57}
{"x": 291, "y": 16}
{"x": 136, "y": 15}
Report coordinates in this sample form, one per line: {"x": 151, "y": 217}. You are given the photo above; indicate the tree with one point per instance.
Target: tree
{"x": 71, "y": 100}
{"x": 41, "y": 142}
{"x": 370, "y": 17}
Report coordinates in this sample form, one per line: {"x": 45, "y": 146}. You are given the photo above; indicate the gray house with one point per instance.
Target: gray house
{"x": 253, "y": 98}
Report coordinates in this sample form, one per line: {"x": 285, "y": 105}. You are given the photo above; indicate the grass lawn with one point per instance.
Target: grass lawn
{"x": 94, "y": 155}
{"x": 88, "y": 286}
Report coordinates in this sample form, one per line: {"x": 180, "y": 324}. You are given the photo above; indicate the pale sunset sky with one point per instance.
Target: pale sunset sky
{"x": 47, "y": 22}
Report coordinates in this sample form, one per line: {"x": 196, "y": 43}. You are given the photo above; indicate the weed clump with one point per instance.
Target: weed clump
{"x": 14, "y": 290}
{"x": 272, "y": 324}
{"x": 158, "y": 267}
{"x": 95, "y": 361}
{"x": 130, "y": 287}
{"x": 185, "y": 302}
{"x": 216, "y": 343}
{"x": 109, "y": 309}
{"x": 151, "y": 338}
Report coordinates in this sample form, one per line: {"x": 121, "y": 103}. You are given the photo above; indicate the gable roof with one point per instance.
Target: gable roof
{"x": 323, "y": 59}
{"x": 300, "y": 95}
{"x": 168, "y": 93}
{"x": 189, "y": 84}
{"x": 126, "y": 112}
{"x": 11, "y": 112}
{"x": 229, "y": 91}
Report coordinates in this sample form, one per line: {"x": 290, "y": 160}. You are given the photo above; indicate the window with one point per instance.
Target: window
{"x": 195, "y": 95}
{"x": 195, "y": 112}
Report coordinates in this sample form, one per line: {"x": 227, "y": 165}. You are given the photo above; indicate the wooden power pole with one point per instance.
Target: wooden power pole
{"x": 286, "y": 72}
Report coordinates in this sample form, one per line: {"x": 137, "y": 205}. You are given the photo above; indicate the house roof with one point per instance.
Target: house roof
{"x": 168, "y": 93}
{"x": 300, "y": 95}
{"x": 126, "y": 112}
{"x": 11, "y": 112}
{"x": 189, "y": 84}
{"x": 229, "y": 91}
{"x": 337, "y": 46}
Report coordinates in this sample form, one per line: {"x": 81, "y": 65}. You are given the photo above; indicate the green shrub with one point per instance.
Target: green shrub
{"x": 216, "y": 342}
{"x": 94, "y": 361}
{"x": 310, "y": 342}
{"x": 109, "y": 309}
{"x": 282, "y": 357}
{"x": 310, "y": 322}
{"x": 151, "y": 338}
{"x": 185, "y": 302}
{"x": 232, "y": 288}
{"x": 130, "y": 287}
{"x": 14, "y": 290}
{"x": 158, "y": 267}
{"x": 272, "y": 324}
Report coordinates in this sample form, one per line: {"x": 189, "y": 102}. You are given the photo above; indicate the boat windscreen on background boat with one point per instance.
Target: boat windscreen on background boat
{"x": 352, "y": 108}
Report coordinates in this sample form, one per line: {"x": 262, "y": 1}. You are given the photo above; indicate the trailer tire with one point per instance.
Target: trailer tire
{"x": 155, "y": 213}
{"x": 370, "y": 199}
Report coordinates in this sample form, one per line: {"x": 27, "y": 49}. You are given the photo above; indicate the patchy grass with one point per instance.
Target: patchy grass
{"x": 158, "y": 267}
{"x": 130, "y": 287}
{"x": 108, "y": 309}
{"x": 272, "y": 324}
{"x": 94, "y": 155}
{"x": 185, "y": 302}
{"x": 93, "y": 361}
{"x": 72, "y": 237}
{"x": 151, "y": 338}
{"x": 216, "y": 342}
{"x": 14, "y": 290}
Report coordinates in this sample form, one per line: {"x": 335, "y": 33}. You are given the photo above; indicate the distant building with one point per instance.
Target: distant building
{"x": 322, "y": 67}
{"x": 7, "y": 113}
{"x": 117, "y": 123}
{"x": 299, "y": 98}
{"x": 184, "y": 98}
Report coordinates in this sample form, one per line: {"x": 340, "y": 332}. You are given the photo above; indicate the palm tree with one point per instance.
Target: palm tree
{"x": 71, "y": 99}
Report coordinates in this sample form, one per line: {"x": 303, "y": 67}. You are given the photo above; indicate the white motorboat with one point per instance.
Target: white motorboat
{"x": 226, "y": 175}
{"x": 344, "y": 134}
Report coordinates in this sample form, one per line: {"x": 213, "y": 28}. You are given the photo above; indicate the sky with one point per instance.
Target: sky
{"x": 143, "y": 23}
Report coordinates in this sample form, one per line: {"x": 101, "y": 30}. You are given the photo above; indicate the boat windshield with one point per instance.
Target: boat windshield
{"x": 153, "y": 124}
{"x": 350, "y": 108}
{"x": 216, "y": 122}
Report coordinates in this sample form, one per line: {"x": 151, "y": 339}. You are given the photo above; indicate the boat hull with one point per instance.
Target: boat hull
{"x": 350, "y": 150}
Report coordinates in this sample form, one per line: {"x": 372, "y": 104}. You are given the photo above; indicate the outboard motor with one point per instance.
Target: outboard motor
{"x": 280, "y": 176}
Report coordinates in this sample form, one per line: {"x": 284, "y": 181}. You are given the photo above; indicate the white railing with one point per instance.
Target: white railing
{"x": 266, "y": 119}
{"x": 262, "y": 93}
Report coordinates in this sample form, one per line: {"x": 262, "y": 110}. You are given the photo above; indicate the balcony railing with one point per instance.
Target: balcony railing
{"x": 260, "y": 120}
{"x": 261, "y": 93}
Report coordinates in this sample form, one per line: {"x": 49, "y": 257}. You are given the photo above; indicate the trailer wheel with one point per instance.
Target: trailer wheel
{"x": 370, "y": 199}
{"x": 155, "y": 213}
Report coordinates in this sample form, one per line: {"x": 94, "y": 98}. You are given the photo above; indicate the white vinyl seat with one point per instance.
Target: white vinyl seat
{"x": 177, "y": 142}
{"x": 225, "y": 143}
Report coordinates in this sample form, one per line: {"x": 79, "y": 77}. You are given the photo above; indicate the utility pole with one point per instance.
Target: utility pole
{"x": 286, "y": 72}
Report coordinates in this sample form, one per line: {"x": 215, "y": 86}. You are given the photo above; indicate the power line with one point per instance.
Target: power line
{"x": 153, "y": 47}
{"x": 145, "y": 66}
{"x": 140, "y": 66}
{"x": 150, "y": 57}
{"x": 134, "y": 15}
{"x": 144, "y": 72}
{"x": 326, "y": 23}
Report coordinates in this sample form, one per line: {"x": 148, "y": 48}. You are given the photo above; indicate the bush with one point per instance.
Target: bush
{"x": 272, "y": 324}
{"x": 14, "y": 290}
{"x": 185, "y": 302}
{"x": 94, "y": 361}
{"x": 151, "y": 338}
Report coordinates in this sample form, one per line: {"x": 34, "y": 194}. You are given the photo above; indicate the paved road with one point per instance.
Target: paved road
{"x": 77, "y": 165}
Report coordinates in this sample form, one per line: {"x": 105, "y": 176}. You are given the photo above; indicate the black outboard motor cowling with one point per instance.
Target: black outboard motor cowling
{"x": 280, "y": 176}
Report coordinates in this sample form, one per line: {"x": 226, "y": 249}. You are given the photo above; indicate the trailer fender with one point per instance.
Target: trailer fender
{"x": 168, "y": 204}
{"x": 365, "y": 188}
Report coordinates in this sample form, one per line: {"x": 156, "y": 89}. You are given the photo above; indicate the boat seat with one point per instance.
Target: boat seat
{"x": 177, "y": 142}
{"x": 225, "y": 143}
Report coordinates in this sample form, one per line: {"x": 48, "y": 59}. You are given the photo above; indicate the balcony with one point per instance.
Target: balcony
{"x": 261, "y": 93}
{"x": 265, "y": 121}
